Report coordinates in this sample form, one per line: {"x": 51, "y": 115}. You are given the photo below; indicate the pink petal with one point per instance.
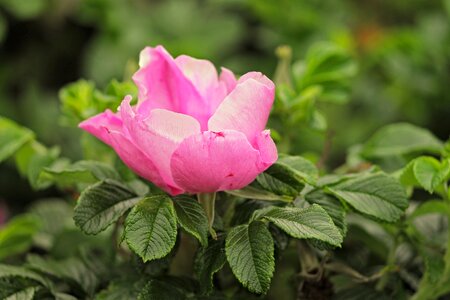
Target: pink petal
{"x": 228, "y": 78}
{"x": 96, "y": 125}
{"x": 216, "y": 161}
{"x": 203, "y": 76}
{"x": 200, "y": 72}
{"x": 139, "y": 162}
{"x": 162, "y": 84}
{"x": 158, "y": 134}
{"x": 246, "y": 108}
{"x": 267, "y": 149}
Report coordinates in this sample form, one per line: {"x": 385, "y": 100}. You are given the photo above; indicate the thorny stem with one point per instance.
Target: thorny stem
{"x": 208, "y": 200}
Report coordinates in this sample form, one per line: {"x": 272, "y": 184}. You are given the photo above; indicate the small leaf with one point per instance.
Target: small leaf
{"x": 377, "y": 195}
{"x": 102, "y": 204}
{"x": 332, "y": 206}
{"x": 81, "y": 171}
{"x": 156, "y": 289}
{"x": 208, "y": 261}
{"x": 25, "y": 294}
{"x": 192, "y": 218}
{"x": 288, "y": 176}
{"x": 7, "y": 271}
{"x": 12, "y": 137}
{"x": 431, "y": 207}
{"x": 308, "y": 223}
{"x": 401, "y": 139}
{"x": 151, "y": 227}
{"x": 425, "y": 171}
{"x": 249, "y": 250}
{"x": 72, "y": 270}
{"x": 252, "y": 192}
{"x": 17, "y": 236}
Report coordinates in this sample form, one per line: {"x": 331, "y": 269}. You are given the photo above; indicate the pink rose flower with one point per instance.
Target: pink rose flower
{"x": 192, "y": 130}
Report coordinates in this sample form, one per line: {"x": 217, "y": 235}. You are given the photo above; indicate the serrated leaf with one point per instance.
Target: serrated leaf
{"x": 378, "y": 195}
{"x": 252, "y": 192}
{"x": 288, "y": 176}
{"x": 72, "y": 270}
{"x": 425, "y": 171}
{"x": 151, "y": 227}
{"x": 128, "y": 288}
{"x": 17, "y": 236}
{"x": 12, "y": 137}
{"x": 401, "y": 139}
{"x": 157, "y": 289}
{"x": 192, "y": 217}
{"x": 308, "y": 223}
{"x": 208, "y": 261}
{"x": 332, "y": 206}
{"x": 25, "y": 294}
{"x": 81, "y": 171}
{"x": 7, "y": 271}
{"x": 102, "y": 204}
{"x": 249, "y": 250}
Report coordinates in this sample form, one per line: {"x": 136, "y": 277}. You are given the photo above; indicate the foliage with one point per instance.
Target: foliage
{"x": 314, "y": 225}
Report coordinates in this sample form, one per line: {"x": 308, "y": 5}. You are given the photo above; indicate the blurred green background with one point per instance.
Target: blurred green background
{"x": 402, "y": 51}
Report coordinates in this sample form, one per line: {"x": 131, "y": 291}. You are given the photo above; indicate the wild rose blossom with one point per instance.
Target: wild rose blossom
{"x": 192, "y": 130}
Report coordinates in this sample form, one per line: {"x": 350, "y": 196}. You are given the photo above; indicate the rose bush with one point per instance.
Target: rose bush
{"x": 191, "y": 130}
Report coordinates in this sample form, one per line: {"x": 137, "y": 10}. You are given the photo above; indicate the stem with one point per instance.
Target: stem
{"x": 208, "y": 200}
{"x": 390, "y": 264}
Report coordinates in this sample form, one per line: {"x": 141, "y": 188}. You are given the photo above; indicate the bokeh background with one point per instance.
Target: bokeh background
{"x": 401, "y": 48}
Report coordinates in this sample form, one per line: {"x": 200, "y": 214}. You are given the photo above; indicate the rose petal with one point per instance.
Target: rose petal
{"x": 139, "y": 162}
{"x": 162, "y": 84}
{"x": 215, "y": 161}
{"x": 246, "y": 108}
{"x": 267, "y": 149}
{"x": 158, "y": 134}
{"x": 96, "y": 125}
{"x": 228, "y": 78}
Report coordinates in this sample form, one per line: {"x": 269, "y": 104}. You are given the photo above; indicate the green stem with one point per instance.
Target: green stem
{"x": 208, "y": 200}
{"x": 390, "y": 264}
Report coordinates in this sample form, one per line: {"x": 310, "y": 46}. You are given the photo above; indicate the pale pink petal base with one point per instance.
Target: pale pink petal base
{"x": 246, "y": 108}
{"x": 217, "y": 161}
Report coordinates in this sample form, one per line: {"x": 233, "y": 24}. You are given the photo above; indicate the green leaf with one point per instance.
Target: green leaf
{"x": 252, "y": 192}
{"x": 7, "y": 271}
{"x": 208, "y": 261}
{"x": 328, "y": 66}
{"x": 378, "y": 195}
{"x": 288, "y": 176}
{"x": 192, "y": 217}
{"x": 72, "y": 270}
{"x": 332, "y": 206}
{"x": 82, "y": 171}
{"x": 425, "y": 171}
{"x": 157, "y": 289}
{"x": 25, "y": 9}
{"x": 12, "y": 137}
{"x": 25, "y": 294}
{"x": 249, "y": 250}
{"x": 37, "y": 163}
{"x": 17, "y": 236}
{"x": 308, "y": 223}
{"x": 401, "y": 139}
{"x": 128, "y": 288}
{"x": 431, "y": 207}
{"x": 102, "y": 204}
{"x": 151, "y": 227}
